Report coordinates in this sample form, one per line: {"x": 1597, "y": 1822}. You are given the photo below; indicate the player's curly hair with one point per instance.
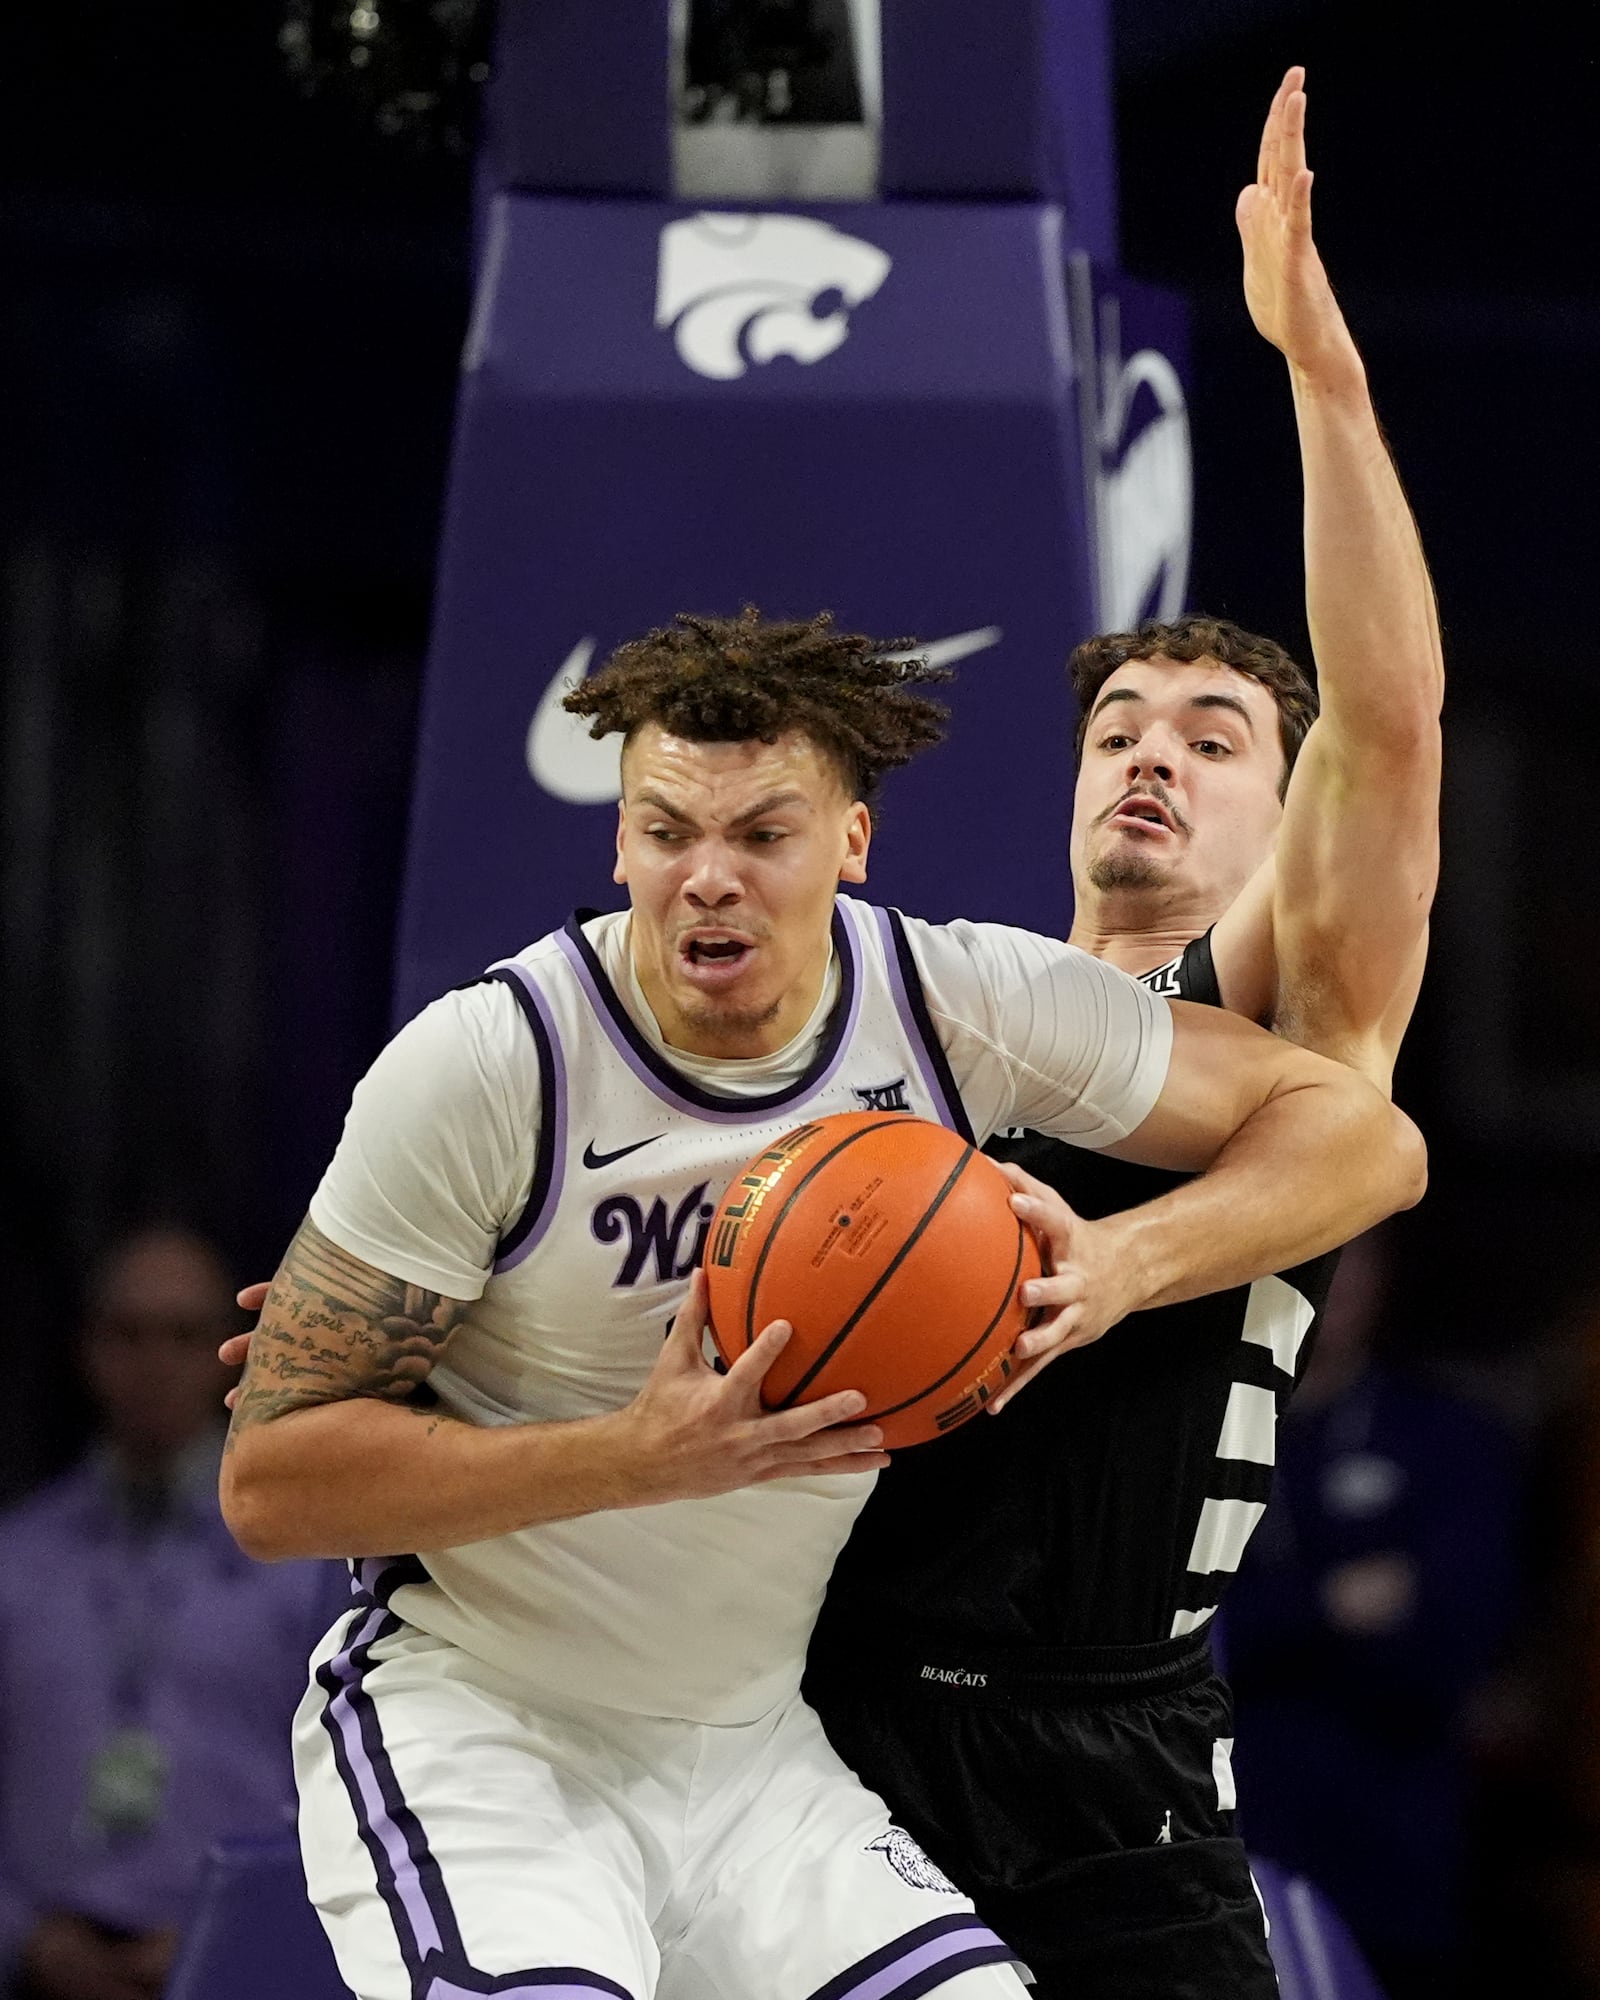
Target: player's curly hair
{"x": 744, "y": 679}
{"x": 1199, "y": 638}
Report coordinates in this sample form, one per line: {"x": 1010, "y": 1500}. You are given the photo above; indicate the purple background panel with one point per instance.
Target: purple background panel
{"x": 923, "y": 479}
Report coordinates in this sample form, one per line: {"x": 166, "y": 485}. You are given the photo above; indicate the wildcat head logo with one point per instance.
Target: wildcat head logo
{"x": 743, "y": 288}
{"x": 909, "y": 1862}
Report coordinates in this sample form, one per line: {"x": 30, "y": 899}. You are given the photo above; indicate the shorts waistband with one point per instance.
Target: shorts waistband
{"x": 943, "y": 1667}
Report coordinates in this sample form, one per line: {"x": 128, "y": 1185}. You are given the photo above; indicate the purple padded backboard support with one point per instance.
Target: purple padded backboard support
{"x": 943, "y": 418}
{"x": 873, "y": 410}
{"x": 649, "y": 423}
{"x": 1010, "y": 100}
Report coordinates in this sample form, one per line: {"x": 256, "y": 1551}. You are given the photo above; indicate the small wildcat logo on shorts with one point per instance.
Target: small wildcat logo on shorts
{"x": 910, "y": 1863}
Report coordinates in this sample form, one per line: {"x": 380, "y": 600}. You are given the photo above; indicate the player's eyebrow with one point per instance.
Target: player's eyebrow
{"x": 1230, "y": 701}
{"x": 774, "y": 802}
{"x": 646, "y": 797}
{"x": 1116, "y": 694}
{"x": 1226, "y": 701}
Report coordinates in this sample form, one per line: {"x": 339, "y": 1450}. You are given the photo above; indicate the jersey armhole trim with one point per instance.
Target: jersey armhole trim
{"x": 1197, "y": 972}
{"x": 906, "y": 982}
{"x": 549, "y": 1161}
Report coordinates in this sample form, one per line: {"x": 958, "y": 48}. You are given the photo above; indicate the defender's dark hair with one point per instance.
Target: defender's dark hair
{"x": 744, "y": 679}
{"x": 1197, "y": 638}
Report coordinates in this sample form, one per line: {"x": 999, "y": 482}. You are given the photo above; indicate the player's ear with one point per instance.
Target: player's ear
{"x": 619, "y": 872}
{"x": 858, "y": 838}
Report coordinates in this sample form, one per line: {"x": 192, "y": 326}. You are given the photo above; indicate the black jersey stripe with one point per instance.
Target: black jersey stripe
{"x": 1254, "y": 1366}
{"x": 1239, "y": 1479}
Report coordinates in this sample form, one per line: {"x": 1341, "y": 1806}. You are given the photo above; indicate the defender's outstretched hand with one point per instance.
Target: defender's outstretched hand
{"x": 1285, "y": 286}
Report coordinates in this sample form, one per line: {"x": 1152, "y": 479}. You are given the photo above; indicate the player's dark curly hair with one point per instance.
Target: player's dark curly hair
{"x": 1197, "y": 638}
{"x": 738, "y": 680}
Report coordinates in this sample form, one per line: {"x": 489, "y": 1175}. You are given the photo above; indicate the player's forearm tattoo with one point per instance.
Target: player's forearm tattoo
{"x": 333, "y": 1328}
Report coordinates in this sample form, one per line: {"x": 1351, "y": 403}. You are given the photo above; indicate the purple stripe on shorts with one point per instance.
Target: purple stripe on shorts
{"x": 565, "y": 1984}
{"x": 908, "y": 1021}
{"x": 400, "y": 1851}
{"x": 342, "y": 1678}
{"x": 921, "y": 1960}
{"x": 552, "y": 1119}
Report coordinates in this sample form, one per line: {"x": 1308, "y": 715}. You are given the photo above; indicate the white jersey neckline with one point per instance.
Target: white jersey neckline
{"x": 747, "y": 1076}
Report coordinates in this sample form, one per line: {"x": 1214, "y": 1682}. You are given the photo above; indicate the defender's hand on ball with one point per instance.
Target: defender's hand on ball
{"x": 696, "y": 1432}
{"x": 1077, "y": 1292}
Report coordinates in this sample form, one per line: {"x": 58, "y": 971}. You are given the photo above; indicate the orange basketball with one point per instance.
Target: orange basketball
{"x": 890, "y": 1245}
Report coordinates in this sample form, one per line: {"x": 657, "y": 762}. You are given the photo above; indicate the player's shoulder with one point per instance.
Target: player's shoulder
{"x": 999, "y": 952}
{"x": 475, "y": 1037}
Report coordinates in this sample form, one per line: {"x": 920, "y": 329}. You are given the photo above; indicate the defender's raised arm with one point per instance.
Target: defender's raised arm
{"x": 1329, "y": 942}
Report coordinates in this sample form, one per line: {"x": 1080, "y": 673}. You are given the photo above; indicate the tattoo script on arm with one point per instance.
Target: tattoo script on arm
{"x": 333, "y": 1328}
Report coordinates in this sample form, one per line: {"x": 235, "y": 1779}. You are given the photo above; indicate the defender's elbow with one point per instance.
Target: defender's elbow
{"x": 1411, "y": 1161}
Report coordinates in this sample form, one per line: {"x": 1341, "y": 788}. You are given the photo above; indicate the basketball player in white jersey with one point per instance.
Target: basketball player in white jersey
{"x": 559, "y": 1750}
{"x": 1229, "y": 847}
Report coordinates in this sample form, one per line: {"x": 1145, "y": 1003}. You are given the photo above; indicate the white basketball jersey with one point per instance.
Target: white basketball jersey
{"x": 597, "y": 1212}
{"x": 697, "y": 1608}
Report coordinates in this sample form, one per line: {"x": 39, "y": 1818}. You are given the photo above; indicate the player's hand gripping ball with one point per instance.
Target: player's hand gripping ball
{"x": 889, "y": 1245}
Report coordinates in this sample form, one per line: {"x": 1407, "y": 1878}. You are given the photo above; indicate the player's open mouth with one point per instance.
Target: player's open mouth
{"x": 1142, "y": 812}
{"x": 711, "y": 959}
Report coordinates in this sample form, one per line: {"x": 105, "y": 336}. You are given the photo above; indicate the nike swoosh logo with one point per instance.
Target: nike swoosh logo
{"x": 564, "y": 760}
{"x": 959, "y": 646}
{"x": 593, "y": 1159}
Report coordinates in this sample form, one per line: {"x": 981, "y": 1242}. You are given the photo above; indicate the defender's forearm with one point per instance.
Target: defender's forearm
{"x": 1369, "y": 598}
{"x": 369, "y": 1477}
{"x": 1314, "y": 1167}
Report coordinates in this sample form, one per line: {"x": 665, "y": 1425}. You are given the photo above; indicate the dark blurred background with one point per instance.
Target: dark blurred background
{"x": 229, "y": 332}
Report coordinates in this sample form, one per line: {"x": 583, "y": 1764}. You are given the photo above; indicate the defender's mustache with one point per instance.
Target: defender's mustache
{"x": 1156, "y": 792}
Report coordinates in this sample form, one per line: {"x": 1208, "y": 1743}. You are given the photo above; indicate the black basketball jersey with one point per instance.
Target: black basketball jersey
{"x": 1112, "y": 1499}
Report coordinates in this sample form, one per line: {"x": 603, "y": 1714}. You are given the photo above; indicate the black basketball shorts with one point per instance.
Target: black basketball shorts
{"x": 1083, "y": 1799}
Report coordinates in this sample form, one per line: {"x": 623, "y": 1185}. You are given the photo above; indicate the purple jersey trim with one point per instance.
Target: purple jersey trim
{"x": 550, "y": 1158}
{"x": 680, "y": 1091}
{"x": 408, "y": 1876}
{"x": 921, "y": 1960}
{"x": 560, "y": 1982}
{"x": 906, "y": 985}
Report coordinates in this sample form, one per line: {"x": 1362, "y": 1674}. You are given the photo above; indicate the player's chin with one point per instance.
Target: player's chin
{"x": 729, "y": 1009}
{"x": 1125, "y": 864}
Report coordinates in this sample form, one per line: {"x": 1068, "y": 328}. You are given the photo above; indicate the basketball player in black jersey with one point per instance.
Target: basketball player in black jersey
{"x": 1015, "y": 1645}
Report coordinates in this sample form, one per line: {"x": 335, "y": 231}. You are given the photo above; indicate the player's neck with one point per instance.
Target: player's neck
{"x": 1136, "y": 932}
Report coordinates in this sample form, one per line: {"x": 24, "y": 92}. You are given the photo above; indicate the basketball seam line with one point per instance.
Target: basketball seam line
{"x": 793, "y": 1196}
{"x": 894, "y": 1409}
{"x": 833, "y": 1346}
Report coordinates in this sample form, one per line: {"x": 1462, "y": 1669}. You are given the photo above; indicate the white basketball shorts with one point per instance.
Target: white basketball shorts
{"x": 459, "y": 1841}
